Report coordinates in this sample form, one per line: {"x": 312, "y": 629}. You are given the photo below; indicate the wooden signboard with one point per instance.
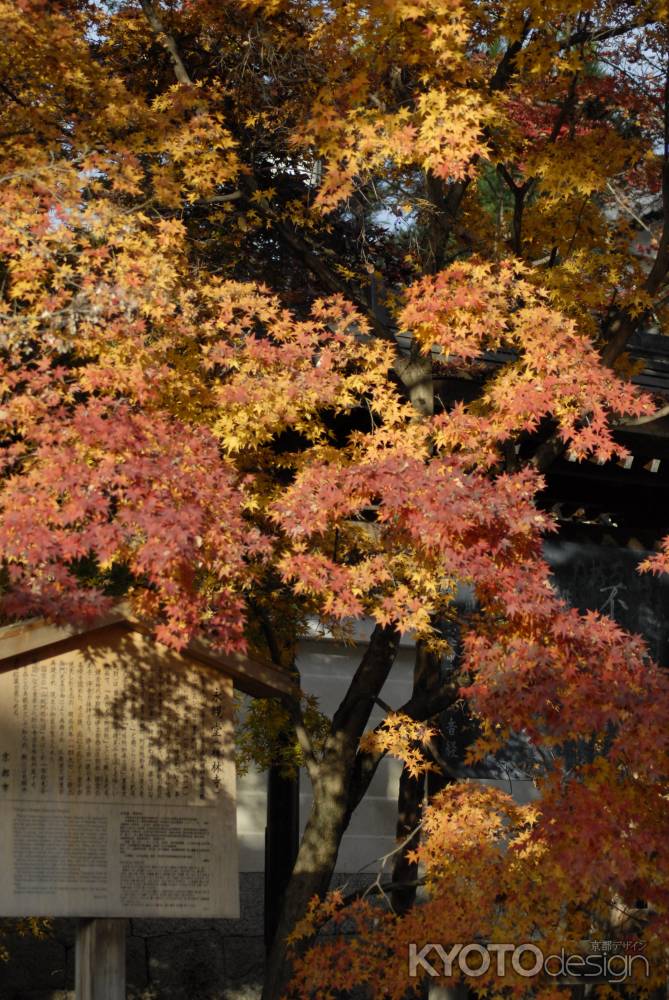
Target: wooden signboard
{"x": 117, "y": 781}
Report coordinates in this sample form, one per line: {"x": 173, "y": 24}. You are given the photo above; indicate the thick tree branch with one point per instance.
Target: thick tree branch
{"x": 519, "y": 192}
{"x": 331, "y": 279}
{"x": 353, "y": 713}
{"x": 167, "y": 40}
{"x": 506, "y": 68}
{"x": 424, "y": 705}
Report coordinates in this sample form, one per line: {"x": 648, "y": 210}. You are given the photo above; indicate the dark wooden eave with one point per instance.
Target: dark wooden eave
{"x": 623, "y": 501}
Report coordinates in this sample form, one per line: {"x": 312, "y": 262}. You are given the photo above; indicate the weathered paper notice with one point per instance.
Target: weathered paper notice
{"x": 117, "y": 784}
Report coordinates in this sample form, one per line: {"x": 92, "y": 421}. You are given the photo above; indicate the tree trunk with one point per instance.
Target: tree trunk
{"x": 412, "y": 791}
{"x": 410, "y": 808}
{"x": 410, "y": 800}
{"x": 282, "y": 841}
{"x": 312, "y": 872}
{"x": 332, "y": 793}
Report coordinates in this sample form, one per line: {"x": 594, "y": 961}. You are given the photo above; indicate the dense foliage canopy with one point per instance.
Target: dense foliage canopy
{"x": 215, "y": 218}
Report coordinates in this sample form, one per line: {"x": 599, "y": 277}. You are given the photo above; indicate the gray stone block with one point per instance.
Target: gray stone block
{"x": 251, "y": 905}
{"x": 136, "y": 965}
{"x": 34, "y": 965}
{"x": 245, "y": 965}
{"x": 188, "y": 967}
{"x": 43, "y": 995}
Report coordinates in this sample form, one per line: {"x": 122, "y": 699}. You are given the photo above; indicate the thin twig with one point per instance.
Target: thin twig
{"x": 626, "y": 207}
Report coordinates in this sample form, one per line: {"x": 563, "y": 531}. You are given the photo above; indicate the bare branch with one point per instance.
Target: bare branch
{"x": 376, "y": 884}
{"x": 383, "y": 888}
{"x": 626, "y": 207}
{"x": 590, "y": 37}
{"x": 219, "y": 199}
{"x": 622, "y": 326}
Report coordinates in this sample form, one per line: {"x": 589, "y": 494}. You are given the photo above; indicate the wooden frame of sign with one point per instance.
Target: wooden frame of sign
{"x": 117, "y": 781}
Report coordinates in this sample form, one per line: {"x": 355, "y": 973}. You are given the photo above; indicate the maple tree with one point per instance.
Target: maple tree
{"x": 215, "y": 219}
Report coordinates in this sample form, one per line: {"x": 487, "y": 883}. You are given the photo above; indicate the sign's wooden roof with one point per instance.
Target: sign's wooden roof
{"x": 31, "y": 641}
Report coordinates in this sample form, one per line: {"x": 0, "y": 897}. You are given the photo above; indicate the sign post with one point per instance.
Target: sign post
{"x": 100, "y": 960}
